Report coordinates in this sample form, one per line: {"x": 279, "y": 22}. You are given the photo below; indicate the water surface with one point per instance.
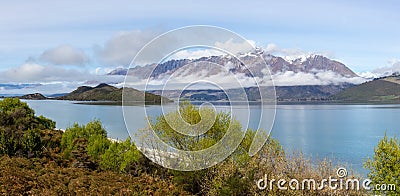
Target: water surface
{"x": 344, "y": 133}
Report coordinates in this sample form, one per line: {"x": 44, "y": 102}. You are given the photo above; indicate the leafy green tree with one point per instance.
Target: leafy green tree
{"x": 20, "y": 129}
{"x": 165, "y": 127}
{"x": 81, "y": 159}
{"x": 46, "y": 123}
{"x": 120, "y": 155}
{"x": 92, "y": 132}
{"x": 385, "y": 165}
{"x": 111, "y": 159}
{"x": 31, "y": 143}
{"x": 8, "y": 142}
{"x": 18, "y": 116}
{"x": 97, "y": 145}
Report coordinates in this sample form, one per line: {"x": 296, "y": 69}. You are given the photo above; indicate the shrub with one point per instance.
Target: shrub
{"x": 385, "y": 165}
{"x": 95, "y": 136}
{"x": 20, "y": 129}
{"x": 18, "y": 116}
{"x": 119, "y": 156}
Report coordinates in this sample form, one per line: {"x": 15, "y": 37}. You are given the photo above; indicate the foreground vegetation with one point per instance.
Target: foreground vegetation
{"x": 37, "y": 159}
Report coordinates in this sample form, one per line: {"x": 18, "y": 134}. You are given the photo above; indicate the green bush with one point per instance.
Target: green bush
{"x": 31, "y": 143}
{"x": 165, "y": 125}
{"x": 20, "y": 129}
{"x": 385, "y": 165}
{"x": 119, "y": 156}
{"x": 18, "y": 116}
{"x": 8, "y": 143}
{"x": 92, "y": 132}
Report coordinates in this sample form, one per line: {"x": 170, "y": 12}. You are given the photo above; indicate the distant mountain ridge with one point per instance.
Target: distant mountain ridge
{"x": 310, "y": 64}
{"x": 248, "y": 65}
{"x": 283, "y": 93}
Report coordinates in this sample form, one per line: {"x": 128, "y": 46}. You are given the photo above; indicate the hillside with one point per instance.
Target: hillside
{"x": 308, "y": 92}
{"x": 382, "y": 90}
{"x": 105, "y": 92}
{"x": 283, "y": 93}
{"x": 35, "y": 96}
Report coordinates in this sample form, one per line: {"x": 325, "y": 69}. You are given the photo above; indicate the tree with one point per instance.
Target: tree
{"x": 31, "y": 143}
{"x": 18, "y": 116}
{"x": 165, "y": 126}
{"x": 94, "y": 134}
{"x": 20, "y": 129}
{"x": 80, "y": 155}
{"x": 97, "y": 145}
{"x": 385, "y": 165}
{"x": 120, "y": 156}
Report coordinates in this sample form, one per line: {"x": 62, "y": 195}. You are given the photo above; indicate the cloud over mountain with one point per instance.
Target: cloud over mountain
{"x": 393, "y": 67}
{"x": 37, "y": 73}
{"x": 64, "y": 55}
{"x": 291, "y": 54}
{"x": 247, "y": 69}
{"x": 120, "y": 50}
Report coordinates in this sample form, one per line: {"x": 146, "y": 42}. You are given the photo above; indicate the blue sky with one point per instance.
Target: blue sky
{"x": 362, "y": 34}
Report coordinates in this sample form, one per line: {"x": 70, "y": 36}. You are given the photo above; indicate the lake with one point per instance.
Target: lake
{"x": 343, "y": 133}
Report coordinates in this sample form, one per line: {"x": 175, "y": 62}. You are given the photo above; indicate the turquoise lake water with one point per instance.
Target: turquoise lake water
{"x": 344, "y": 133}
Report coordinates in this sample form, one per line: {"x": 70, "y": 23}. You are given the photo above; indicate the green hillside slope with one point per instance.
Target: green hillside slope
{"x": 105, "y": 92}
{"x": 382, "y": 90}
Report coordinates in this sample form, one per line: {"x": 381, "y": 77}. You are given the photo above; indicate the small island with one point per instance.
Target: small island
{"x": 104, "y": 94}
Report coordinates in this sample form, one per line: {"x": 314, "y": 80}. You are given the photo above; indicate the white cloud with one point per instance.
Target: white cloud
{"x": 47, "y": 88}
{"x": 122, "y": 48}
{"x": 187, "y": 54}
{"x": 394, "y": 66}
{"x": 236, "y": 47}
{"x": 33, "y": 73}
{"x": 369, "y": 75}
{"x": 291, "y": 54}
{"x": 64, "y": 55}
{"x": 290, "y": 78}
{"x": 181, "y": 78}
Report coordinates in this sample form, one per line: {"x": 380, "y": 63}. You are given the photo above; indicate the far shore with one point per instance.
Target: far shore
{"x": 223, "y": 102}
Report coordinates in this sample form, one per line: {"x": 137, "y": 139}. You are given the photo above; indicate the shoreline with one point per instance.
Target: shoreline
{"x": 196, "y": 102}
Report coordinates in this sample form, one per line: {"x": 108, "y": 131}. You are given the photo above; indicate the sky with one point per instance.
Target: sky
{"x": 49, "y": 42}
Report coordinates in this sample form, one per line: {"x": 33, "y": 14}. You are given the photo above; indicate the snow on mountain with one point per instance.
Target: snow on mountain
{"x": 309, "y": 69}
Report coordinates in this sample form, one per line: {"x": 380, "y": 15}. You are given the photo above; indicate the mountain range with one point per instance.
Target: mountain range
{"x": 247, "y": 63}
{"x": 385, "y": 89}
